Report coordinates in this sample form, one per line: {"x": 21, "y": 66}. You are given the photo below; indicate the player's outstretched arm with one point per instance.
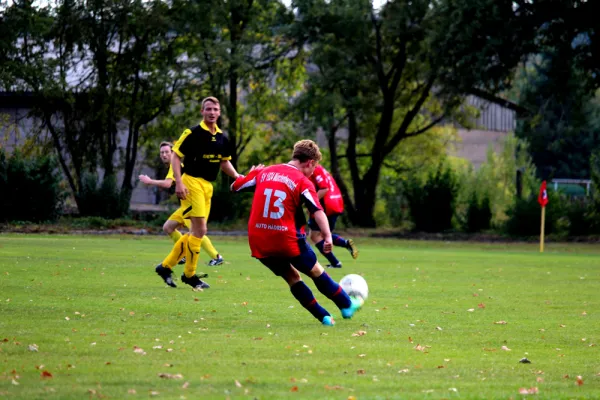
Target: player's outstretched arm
{"x": 227, "y": 168}
{"x": 162, "y": 183}
{"x": 246, "y": 183}
{"x": 323, "y": 223}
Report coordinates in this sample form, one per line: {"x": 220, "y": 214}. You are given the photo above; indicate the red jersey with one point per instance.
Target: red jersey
{"x": 332, "y": 202}
{"x": 276, "y": 220}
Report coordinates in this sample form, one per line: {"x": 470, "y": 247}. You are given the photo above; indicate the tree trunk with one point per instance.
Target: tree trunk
{"x": 232, "y": 116}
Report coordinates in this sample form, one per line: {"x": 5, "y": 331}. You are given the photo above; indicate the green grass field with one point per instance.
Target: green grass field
{"x": 87, "y": 317}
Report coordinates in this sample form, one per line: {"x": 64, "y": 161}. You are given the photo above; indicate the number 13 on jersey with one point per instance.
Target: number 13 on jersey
{"x": 278, "y": 196}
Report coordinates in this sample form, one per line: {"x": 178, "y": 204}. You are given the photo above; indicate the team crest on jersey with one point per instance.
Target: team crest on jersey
{"x": 214, "y": 139}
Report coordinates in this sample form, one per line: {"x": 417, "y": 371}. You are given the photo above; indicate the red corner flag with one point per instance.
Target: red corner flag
{"x": 543, "y": 196}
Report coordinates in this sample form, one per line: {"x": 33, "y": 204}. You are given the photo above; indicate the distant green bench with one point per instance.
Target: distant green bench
{"x": 572, "y": 187}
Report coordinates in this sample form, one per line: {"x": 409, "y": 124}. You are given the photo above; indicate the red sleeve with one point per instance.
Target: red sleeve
{"x": 308, "y": 196}
{"x": 318, "y": 178}
{"x": 245, "y": 183}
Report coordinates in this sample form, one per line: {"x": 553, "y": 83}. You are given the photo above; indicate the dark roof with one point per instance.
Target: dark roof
{"x": 16, "y": 99}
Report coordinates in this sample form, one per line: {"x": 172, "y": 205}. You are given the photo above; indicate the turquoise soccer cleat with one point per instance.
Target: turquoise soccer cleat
{"x": 356, "y": 304}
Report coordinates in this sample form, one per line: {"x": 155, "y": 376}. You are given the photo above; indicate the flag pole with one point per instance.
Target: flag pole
{"x": 543, "y": 200}
{"x": 542, "y": 230}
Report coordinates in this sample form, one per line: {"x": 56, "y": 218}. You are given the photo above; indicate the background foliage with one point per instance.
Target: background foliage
{"x": 382, "y": 90}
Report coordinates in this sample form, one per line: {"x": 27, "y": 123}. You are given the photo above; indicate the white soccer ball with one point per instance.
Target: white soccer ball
{"x": 355, "y": 285}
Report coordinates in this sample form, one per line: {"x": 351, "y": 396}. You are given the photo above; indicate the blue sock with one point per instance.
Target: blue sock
{"x": 303, "y": 294}
{"x": 339, "y": 241}
{"x": 332, "y": 290}
{"x": 329, "y": 256}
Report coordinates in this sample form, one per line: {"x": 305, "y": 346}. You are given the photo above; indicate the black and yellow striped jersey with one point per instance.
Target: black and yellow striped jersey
{"x": 202, "y": 151}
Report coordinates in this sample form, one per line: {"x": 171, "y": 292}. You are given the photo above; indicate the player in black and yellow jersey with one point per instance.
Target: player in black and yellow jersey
{"x": 177, "y": 220}
{"x": 205, "y": 151}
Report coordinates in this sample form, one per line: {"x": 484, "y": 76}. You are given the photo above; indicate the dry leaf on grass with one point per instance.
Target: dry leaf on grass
{"x": 294, "y": 389}
{"x": 359, "y": 333}
{"x": 46, "y": 374}
{"x": 33, "y": 347}
{"x": 418, "y": 347}
{"x": 410, "y": 339}
{"x": 500, "y": 323}
{"x": 579, "y": 380}
{"x": 334, "y": 387}
{"x": 361, "y": 372}
{"x": 505, "y": 348}
{"x": 165, "y": 375}
{"x": 531, "y": 390}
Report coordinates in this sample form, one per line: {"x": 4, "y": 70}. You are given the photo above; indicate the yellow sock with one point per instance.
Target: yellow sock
{"x": 192, "y": 252}
{"x": 175, "y": 235}
{"x": 177, "y": 252}
{"x": 208, "y": 247}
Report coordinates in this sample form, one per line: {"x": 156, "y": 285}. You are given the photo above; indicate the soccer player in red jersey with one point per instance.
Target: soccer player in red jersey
{"x": 276, "y": 229}
{"x": 331, "y": 199}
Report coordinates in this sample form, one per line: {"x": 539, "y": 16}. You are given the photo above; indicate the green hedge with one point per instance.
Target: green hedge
{"x": 31, "y": 188}
{"x": 432, "y": 205}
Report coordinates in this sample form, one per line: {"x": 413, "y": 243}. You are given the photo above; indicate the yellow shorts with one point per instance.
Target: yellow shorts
{"x": 178, "y": 216}
{"x": 197, "y": 202}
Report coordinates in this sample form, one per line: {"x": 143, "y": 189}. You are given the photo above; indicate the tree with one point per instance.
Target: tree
{"x": 394, "y": 74}
{"x": 557, "y": 85}
{"x": 96, "y": 70}
{"x": 565, "y": 129}
{"x": 242, "y": 56}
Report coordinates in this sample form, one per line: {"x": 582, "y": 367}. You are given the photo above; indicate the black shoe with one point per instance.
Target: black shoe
{"x": 195, "y": 282}
{"x": 165, "y": 274}
{"x": 352, "y": 248}
{"x": 182, "y": 261}
{"x": 216, "y": 261}
{"x": 338, "y": 265}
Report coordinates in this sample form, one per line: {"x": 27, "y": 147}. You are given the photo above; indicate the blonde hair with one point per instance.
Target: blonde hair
{"x": 211, "y": 100}
{"x": 306, "y": 150}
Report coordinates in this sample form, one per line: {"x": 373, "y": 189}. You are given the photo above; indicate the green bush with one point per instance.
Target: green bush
{"x": 581, "y": 217}
{"x": 31, "y": 188}
{"x": 432, "y": 205}
{"x": 226, "y": 206}
{"x": 102, "y": 199}
{"x": 524, "y": 216}
{"x": 479, "y": 214}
